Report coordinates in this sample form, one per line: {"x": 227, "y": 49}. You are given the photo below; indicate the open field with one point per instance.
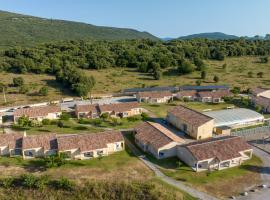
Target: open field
{"x": 115, "y": 79}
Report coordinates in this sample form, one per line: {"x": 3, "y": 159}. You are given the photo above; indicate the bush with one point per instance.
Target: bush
{"x": 42, "y": 182}
{"x": 65, "y": 116}
{"x": 144, "y": 116}
{"x": 186, "y": 67}
{"x": 203, "y": 74}
{"x": 43, "y": 91}
{"x": 55, "y": 160}
{"x": 104, "y": 116}
{"x": 28, "y": 180}
{"x": 216, "y": 78}
{"x": 35, "y": 123}
{"x": 134, "y": 118}
{"x": 250, "y": 74}
{"x": 6, "y": 182}
{"x": 116, "y": 122}
{"x": 60, "y": 124}
{"x": 24, "y": 121}
{"x": 24, "y": 89}
{"x": 18, "y": 81}
{"x": 198, "y": 82}
{"x": 63, "y": 184}
{"x": 46, "y": 122}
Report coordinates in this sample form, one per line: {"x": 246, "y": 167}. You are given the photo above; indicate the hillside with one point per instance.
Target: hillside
{"x": 27, "y": 30}
{"x": 210, "y": 36}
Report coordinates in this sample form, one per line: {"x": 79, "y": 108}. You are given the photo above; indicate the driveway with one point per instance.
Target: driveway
{"x": 170, "y": 181}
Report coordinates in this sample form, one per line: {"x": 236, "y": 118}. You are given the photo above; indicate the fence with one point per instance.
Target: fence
{"x": 253, "y": 133}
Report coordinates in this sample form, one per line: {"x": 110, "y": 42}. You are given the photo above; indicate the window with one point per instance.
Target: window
{"x": 99, "y": 152}
{"x": 118, "y": 146}
{"x": 88, "y": 154}
{"x": 161, "y": 154}
{"x": 28, "y": 153}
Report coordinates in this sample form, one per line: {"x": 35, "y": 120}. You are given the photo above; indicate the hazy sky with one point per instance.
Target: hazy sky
{"x": 163, "y": 18}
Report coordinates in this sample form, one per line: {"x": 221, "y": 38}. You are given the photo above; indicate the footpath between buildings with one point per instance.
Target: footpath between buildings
{"x": 170, "y": 181}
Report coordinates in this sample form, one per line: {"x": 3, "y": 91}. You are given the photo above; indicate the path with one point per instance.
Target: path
{"x": 171, "y": 181}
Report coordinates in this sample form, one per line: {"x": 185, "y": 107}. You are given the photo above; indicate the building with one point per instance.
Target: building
{"x": 38, "y": 113}
{"x": 195, "y": 124}
{"x": 86, "y": 146}
{"x": 261, "y": 92}
{"x": 39, "y": 146}
{"x": 235, "y": 118}
{"x": 261, "y": 97}
{"x": 120, "y": 109}
{"x": 87, "y": 111}
{"x": 204, "y": 96}
{"x": 215, "y": 154}
{"x": 157, "y": 140}
{"x": 154, "y": 97}
{"x": 11, "y": 144}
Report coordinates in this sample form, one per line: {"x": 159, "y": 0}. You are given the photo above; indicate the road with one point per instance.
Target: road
{"x": 170, "y": 181}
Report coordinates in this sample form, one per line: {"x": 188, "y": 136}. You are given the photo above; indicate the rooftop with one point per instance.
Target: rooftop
{"x": 230, "y": 117}
{"x": 222, "y": 148}
{"x": 46, "y": 141}
{"x": 118, "y": 107}
{"x": 37, "y": 111}
{"x": 160, "y": 94}
{"x": 12, "y": 140}
{"x": 156, "y": 135}
{"x": 87, "y": 108}
{"x": 148, "y": 89}
{"x": 88, "y": 142}
{"x": 191, "y": 116}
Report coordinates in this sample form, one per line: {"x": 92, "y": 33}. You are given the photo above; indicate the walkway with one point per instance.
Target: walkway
{"x": 171, "y": 181}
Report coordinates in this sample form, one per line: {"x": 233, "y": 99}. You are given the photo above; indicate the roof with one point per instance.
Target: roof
{"x": 155, "y": 134}
{"x": 205, "y": 87}
{"x": 87, "y": 108}
{"x": 223, "y": 148}
{"x": 258, "y": 90}
{"x": 192, "y": 117}
{"x": 187, "y": 93}
{"x": 46, "y": 141}
{"x": 214, "y": 94}
{"x": 147, "y": 89}
{"x": 230, "y": 117}
{"x": 118, "y": 107}
{"x": 37, "y": 111}
{"x": 88, "y": 142}
{"x": 160, "y": 94}
{"x": 12, "y": 140}
{"x": 262, "y": 101}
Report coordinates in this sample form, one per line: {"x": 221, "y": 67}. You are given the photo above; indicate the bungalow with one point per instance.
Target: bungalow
{"x": 38, "y": 113}
{"x": 190, "y": 95}
{"x": 154, "y": 97}
{"x": 157, "y": 140}
{"x": 11, "y": 144}
{"x": 261, "y": 92}
{"x": 87, "y": 111}
{"x": 86, "y": 146}
{"x": 214, "y": 96}
{"x": 263, "y": 102}
{"x": 215, "y": 154}
{"x": 39, "y": 145}
{"x": 193, "y": 123}
{"x": 121, "y": 109}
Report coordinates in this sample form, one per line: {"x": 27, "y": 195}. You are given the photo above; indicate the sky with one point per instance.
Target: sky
{"x": 163, "y": 18}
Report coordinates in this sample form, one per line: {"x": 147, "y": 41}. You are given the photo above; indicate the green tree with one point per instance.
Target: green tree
{"x": 250, "y": 74}
{"x": 24, "y": 89}
{"x": 260, "y": 74}
{"x": 18, "y": 81}
{"x": 198, "y": 82}
{"x": 203, "y": 74}
{"x": 216, "y": 78}
{"x": 186, "y": 67}
{"x": 24, "y": 121}
{"x": 43, "y": 91}
{"x": 157, "y": 74}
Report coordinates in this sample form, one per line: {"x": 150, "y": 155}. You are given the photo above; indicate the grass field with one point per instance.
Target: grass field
{"x": 115, "y": 79}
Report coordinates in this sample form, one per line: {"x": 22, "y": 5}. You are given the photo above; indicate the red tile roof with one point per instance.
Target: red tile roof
{"x": 88, "y": 142}
{"x": 46, "y": 141}
{"x": 262, "y": 101}
{"x": 187, "y": 93}
{"x": 223, "y": 148}
{"x": 155, "y": 135}
{"x": 161, "y": 94}
{"x": 190, "y": 116}
{"x": 258, "y": 90}
{"x": 38, "y": 111}
{"x": 118, "y": 107}
{"x": 12, "y": 140}
{"x": 93, "y": 108}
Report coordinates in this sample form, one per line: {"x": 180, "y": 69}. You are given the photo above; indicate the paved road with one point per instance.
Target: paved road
{"x": 158, "y": 173}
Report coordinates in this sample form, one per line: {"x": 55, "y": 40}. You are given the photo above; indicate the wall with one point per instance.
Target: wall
{"x": 205, "y": 130}
{"x": 184, "y": 155}
{"x": 169, "y": 150}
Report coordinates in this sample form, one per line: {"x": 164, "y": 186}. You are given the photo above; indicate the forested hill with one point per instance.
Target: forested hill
{"x": 23, "y": 30}
{"x": 210, "y": 36}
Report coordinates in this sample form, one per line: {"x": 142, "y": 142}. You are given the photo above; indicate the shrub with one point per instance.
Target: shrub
{"x": 216, "y": 78}
{"x": 260, "y": 74}
{"x": 116, "y": 122}
{"x": 43, "y": 91}
{"x": 55, "y": 160}
{"x": 203, "y": 74}
{"x": 65, "y": 116}
{"x": 185, "y": 99}
{"x": 18, "y": 81}
{"x": 28, "y": 180}
{"x": 46, "y": 122}
{"x": 144, "y": 116}
{"x": 60, "y": 124}
{"x": 134, "y": 118}
{"x": 24, "y": 121}
{"x": 35, "y": 123}
{"x": 236, "y": 90}
{"x": 104, "y": 116}
{"x": 250, "y": 74}
{"x": 42, "y": 182}
{"x": 63, "y": 184}
{"x": 7, "y": 182}
{"x": 186, "y": 67}
{"x": 24, "y": 89}
{"x": 96, "y": 122}
{"x": 198, "y": 82}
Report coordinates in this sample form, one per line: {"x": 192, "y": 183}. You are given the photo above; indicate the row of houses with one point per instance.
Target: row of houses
{"x": 208, "y": 154}
{"x": 79, "y": 146}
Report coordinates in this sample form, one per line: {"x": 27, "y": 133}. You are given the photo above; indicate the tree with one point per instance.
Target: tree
{"x": 24, "y": 121}
{"x": 157, "y": 74}
{"x": 260, "y": 74}
{"x": 198, "y": 82}
{"x": 203, "y": 74}
{"x": 199, "y": 64}
{"x": 186, "y": 67}
{"x": 264, "y": 59}
{"x": 60, "y": 124}
{"x": 24, "y": 89}
{"x": 43, "y": 91}
{"x": 18, "y": 81}
{"x": 216, "y": 78}
{"x": 250, "y": 74}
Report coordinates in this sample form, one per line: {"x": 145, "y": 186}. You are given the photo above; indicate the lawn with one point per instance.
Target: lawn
{"x": 218, "y": 183}
{"x": 160, "y": 110}
{"x": 113, "y": 80}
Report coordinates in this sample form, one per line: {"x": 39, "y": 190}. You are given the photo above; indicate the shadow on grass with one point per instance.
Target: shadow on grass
{"x": 80, "y": 128}
{"x": 257, "y": 169}
{"x": 35, "y": 165}
{"x": 171, "y": 72}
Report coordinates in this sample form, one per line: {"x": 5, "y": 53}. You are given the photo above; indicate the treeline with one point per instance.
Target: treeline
{"x": 64, "y": 58}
